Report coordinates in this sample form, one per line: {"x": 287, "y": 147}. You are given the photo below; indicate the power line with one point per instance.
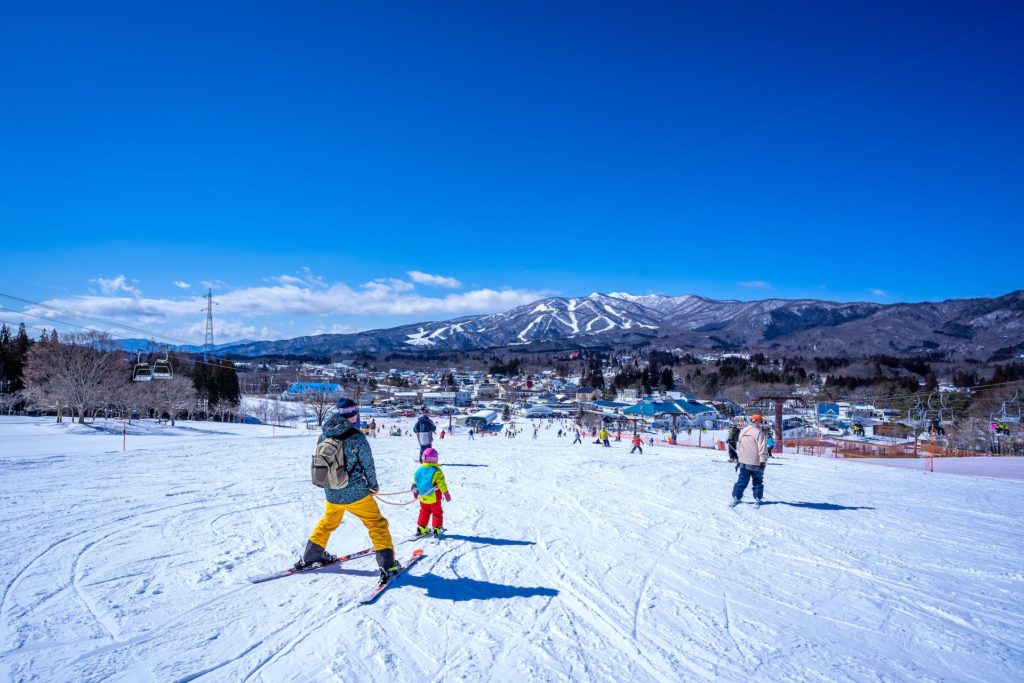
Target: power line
{"x": 84, "y": 327}
{"x": 101, "y": 321}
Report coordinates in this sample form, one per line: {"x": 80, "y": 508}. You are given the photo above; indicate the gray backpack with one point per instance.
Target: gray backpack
{"x": 329, "y": 469}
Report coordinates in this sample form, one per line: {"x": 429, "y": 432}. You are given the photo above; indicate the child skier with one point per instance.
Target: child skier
{"x": 429, "y": 486}
{"x": 638, "y": 443}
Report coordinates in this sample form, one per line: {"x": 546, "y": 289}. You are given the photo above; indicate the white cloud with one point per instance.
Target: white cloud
{"x": 117, "y": 284}
{"x": 182, "y": 285}
{"x": 291, "y": 296}
{"x": 755, "y": 284}
{"x": 226, "y": 329}
{"x": 213, "y": 284}
{"x": 878, "y": 292}
{"x": 434, "y": 280}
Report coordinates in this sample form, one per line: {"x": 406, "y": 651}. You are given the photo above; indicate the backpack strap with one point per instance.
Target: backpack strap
{"x": 343, "y": 437}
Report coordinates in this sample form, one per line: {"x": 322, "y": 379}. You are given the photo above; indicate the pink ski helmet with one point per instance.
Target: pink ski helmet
{"x": 429, "y": 455}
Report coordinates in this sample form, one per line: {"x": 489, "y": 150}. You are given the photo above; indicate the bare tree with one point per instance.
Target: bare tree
{"x": 213, "y": 409}
{"x": 79, "y": 372}
{"x": 174, "y": 395}
{"x": 259, "y": 409}
{"x": 319, "y": 404}
{"x": 8, "y": 401}
{"x": 280, "y": 413}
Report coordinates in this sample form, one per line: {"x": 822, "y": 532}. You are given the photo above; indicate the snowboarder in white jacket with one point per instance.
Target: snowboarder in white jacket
{"x": 752, "y": 451}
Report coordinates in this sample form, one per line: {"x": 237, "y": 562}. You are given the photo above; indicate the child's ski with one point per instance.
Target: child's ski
{"x": 312, "y": 567}
{"x": 416, "y": 556}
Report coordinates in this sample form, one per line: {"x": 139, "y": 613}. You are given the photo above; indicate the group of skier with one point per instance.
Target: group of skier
{"x": 357, "y": 497}
{"x": 749, "y": 448}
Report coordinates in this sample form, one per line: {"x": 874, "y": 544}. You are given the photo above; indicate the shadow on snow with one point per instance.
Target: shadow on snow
{"x": 463, "y": 588}
{"x": 487, "y": 541}
{"x": 817, "y": 506}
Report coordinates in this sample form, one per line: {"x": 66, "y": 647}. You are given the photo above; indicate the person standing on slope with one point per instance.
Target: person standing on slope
{"x": 577, "y": 439}
{"x": 603, "y": 436}
{"x": 424, "y": 430}
{"x": 731, "y": 437}
{"x": 356, "y": 498}
{"x": 752, "y": 448}
{"x": 428, "y": 485}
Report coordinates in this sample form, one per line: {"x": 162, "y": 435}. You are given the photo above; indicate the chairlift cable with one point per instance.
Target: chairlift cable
{"x": 151, "y": 336}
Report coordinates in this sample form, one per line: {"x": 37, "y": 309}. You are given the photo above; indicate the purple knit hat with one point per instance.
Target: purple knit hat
{"x": 347, "y": 407}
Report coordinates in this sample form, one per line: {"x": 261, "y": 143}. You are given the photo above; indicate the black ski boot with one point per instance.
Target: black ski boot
{"x": 314, "y": 554}
{"x": 389, "y": 567}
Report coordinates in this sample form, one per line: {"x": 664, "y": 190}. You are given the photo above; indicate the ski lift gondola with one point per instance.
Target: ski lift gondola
{"x": 141, "y": 372}
{"x": 162, "y": 368}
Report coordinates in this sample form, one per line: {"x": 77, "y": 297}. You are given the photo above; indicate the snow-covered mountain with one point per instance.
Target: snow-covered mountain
{"x": 964, "y": 328}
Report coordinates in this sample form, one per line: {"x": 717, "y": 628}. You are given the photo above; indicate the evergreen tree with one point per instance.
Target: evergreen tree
{"x": 666, "y": 381}
{"x": 6, "y": 349}
{"x": 13, "y": 353}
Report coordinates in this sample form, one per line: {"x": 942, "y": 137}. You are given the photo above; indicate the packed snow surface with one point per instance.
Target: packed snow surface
{"x": 563, "y": 562}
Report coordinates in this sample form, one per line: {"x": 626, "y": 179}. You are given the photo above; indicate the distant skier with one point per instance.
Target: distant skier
{"x": 753, "y": 451}
{"x": 471, "y": 437}
{"x": 770, "y": 443}
{"x": 638, "y": 443}
{"x": 356, "y": 498}
{"x": 578, "y": 438}
{"x": 424, "y": 430}
{"x": 731, "y": 437}
{"x": 429, "y": 486}
{"x": 603, "y": 437}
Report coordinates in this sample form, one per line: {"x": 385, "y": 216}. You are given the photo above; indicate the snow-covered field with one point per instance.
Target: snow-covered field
{"x": 563, "y": 563}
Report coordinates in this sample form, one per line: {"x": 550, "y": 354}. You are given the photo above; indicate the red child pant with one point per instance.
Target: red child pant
{"x": 426, "y": 509}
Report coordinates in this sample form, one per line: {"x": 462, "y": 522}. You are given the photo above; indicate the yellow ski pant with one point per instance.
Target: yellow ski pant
{"x": 366, "y": 511}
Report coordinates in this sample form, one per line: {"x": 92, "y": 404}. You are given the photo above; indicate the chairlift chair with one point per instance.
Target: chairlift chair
{"x": 945, "y": 412}
{"x": 1010, "y": 411}
{"x": 917, "y": 416}
{"x": 162, "y": 368}
{"x": 141, "y": 372}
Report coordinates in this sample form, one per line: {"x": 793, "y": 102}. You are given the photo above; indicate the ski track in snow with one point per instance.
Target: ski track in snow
{"x": 563, "y": 563}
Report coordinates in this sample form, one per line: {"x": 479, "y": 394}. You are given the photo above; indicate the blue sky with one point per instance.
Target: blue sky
{"x": 344, "y": 166}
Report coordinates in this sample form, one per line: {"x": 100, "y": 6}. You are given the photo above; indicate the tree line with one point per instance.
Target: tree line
{"x": 86, "y": 374}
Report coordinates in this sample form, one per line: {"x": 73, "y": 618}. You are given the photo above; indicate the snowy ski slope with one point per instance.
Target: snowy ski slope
{"x": 563, "y": 563}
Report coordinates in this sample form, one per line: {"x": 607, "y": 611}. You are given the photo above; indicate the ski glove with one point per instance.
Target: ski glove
{"x": 415, "y": 492}
{"x": 737, "y": 467}
{"x": 447, "y": 497}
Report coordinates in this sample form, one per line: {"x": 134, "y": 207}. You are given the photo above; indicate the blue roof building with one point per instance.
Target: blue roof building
{"x": 301, "y": 388}
{"x": 828, "y": 411}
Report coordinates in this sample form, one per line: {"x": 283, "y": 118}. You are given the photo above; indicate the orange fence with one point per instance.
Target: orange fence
{"x": 849, "y": 450}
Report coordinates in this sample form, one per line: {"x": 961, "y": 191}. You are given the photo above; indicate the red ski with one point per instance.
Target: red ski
{"x": 312, "y": 567}
{"x": 416, "y": 556}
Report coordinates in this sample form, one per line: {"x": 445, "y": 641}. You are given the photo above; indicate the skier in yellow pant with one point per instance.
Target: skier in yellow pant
{"x": 356, "y": 498}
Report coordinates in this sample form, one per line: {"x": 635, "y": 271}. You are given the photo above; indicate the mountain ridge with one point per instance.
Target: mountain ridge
{"x": 961, "y": 328}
